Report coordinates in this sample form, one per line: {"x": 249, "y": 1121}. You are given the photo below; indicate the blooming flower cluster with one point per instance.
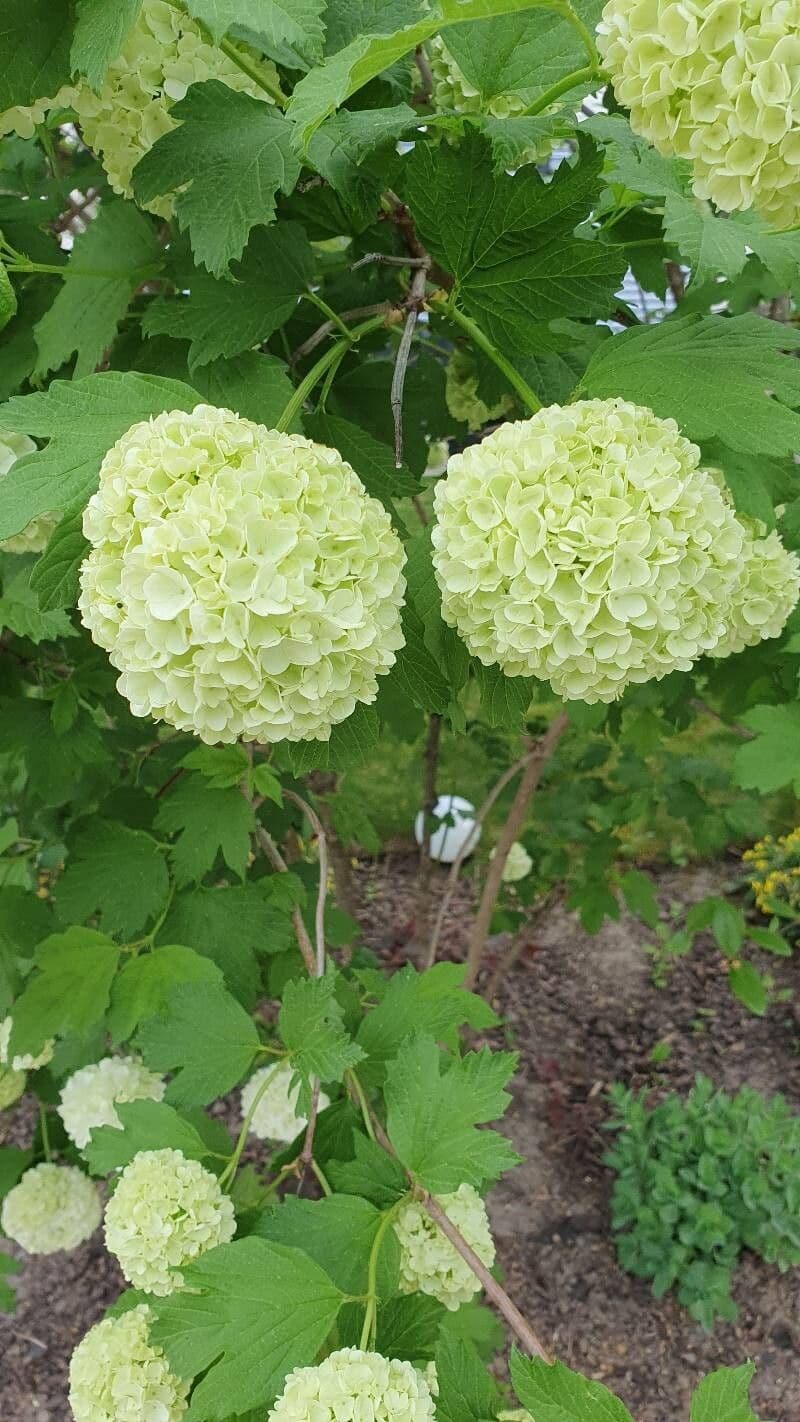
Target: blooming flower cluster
{"x": 165, "y": 1211}
{"x": 53, "y": 1207}
{"x": 34, "y": 537}
{"x": 117, "y": 1375}
{"x": 775, "y": 871}
{"x": 716, "y": 82}
{"x": 89, "y": 1096}
{"x": 586, "y": 546}
{"x": 12, "y": 1085}
{"x": 275, "y": 1117}
{"x": 518, "y": 865}
{"x": 242, "y": 581}
{"x": 353, "y": 1386}
{"x": 27, "y": 1061}
{"x": 429, "y": 1263}
{"x": 453, "y": 93}
{"x": 164, "y": 53}
{"x": 461, "y": 393}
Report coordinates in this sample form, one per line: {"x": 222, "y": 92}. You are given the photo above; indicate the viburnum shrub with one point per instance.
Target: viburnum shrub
{"x": 371, "y": 392}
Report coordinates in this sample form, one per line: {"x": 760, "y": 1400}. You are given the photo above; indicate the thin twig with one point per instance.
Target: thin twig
{"x": 425, "y": 72}
{"x": 276, "y": 859}
{"x": 378, "y": 308}
{"x": 416, "y": 297}
{"x": 322, "y": 891}
{"x": 325, "y": 783}
{"x": 388, "y": 261}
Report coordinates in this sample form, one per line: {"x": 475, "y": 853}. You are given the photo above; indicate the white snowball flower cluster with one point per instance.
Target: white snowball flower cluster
{"x": 461, "y": 393}
{"x": 242, "y": 581}
{"x": 12, "y": 1085}
{"x": 35, "y": 536}
{"x": 165, "y": 1212}
{"x": 354, "y": 1386}
{"x": 164, "y": 53}
{"x": 429, "y": 1263}
{"x": 586, "y": 546}
{"x": 453, "y": 93}
{"x": 89, "y": 1096}
{"x": 27, "y": 1061}
{"x": 716, "y": 82}
{"x": 275, "y": 1117}
{"x": 117, "y": 1375}
{"x": 518, "y": 865}
{"x": 53, "y": 1207}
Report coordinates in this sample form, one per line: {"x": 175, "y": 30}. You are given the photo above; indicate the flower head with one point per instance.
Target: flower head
{"x": 586, "y": 546}
{"x": 165, "y": 1211}
{"x": 53, "y": 1207}
{"x": 774, "y": 866}
{"x": 429, "y": 1263}
{"x": 242, "y": 581}
{"x": 275, "y": 1117}
{"x": 89, "y": 1096}
{"x": 518, "y": 865}
{"x": 717, "y": 83}
{"x": 461, "y": 393}
{"x": 34, "y": 537}
{"x": 117, "y": 1375}
{"x": 351, "y": 1386}
{"x": 12, "y": 1085}
{"x": 26, "y": 1061}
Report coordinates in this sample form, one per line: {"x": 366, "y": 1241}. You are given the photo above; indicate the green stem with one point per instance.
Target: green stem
{"x": 562, "y": 86}
{"x": 523, "y": 389}
{"x": 316, "y": 1169}
{"x": 229, "y": 1173}
{"x": 333, "y": 354}
{"x": 48, "y": 1154}
{"x": 282, "y": 1175}
{"x": 142, "y": 274}
{"x": 358, "y": 1091}
{"x": 322, "y": 305}
{"x": 586, "y": 37}
{"x": 371, "y": 1311}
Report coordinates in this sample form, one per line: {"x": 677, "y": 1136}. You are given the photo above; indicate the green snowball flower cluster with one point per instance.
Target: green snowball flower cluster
{"x": 518, "y": 865}
{"x": 275, "y": 1117}
{"x": 165, "y": 1212}
{"x": 453, "y": 93}
{"x": 35, "y": 536}
{"x": 461, "y": 393}
{"x": 53, "y": 1207}
{"x": 117, "y": 1375}
{"x": 429, "y": 1264}
{"x": 718, "y": 83}
{"x": 89, "y": 1096}
{"x": 164, "y": 53}
{"x": 27, "y": 1061}
{"x": 12, "y": 1085}
{"x": 241, "y": 580}
{"x": 353, "y": 1386}
{"x": 586, "y": 547}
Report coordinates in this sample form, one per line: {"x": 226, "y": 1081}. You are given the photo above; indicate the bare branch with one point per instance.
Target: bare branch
{"x": 388, "y": 261}
{"x": 425, "y": 73}
{"x": 378, "y": 308}
{"x": 322, "y": 892}
{"x": 270, "y": 849}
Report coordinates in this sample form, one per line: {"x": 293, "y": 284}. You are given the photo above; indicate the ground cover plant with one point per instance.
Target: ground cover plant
{"x": 384, "y": 388}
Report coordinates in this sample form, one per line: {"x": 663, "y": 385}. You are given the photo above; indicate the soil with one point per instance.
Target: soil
{"x": 583, "y": 1012}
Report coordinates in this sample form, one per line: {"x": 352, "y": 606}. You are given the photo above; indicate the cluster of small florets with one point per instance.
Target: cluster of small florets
{"x": 518, "y": 865}
{"x": 26, "y": 1061}
{"x": 429, "y": 1264}
{"x": 34, "y": 537}
{"x": 453, "y": 93}
{"x": 117, "y": 1375}
{"x": 241, "y": 580}
{"x": 165, "y": 1212}
{"x": 775, "y": 871}
{"x": 164, "y": 53}
{"x": 461, "y": 393}
{"x": 718, "y": 83}
{"x": 353, "y": 1386}
{"x": 53, "y": 1207}
{"x": 89, "y": 1096}
{"x": 586, "y": 546}
{"x": 275, "y": 1117}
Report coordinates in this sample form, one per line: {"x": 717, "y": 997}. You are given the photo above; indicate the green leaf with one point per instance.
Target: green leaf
{"x": 13, "y": 1161}
{"x": 467, "y": 1392}
{"x": 116, "y": 872}
{"x": 724, "y": 1396}
{"x": 34, "y": 50}
{"x": 433, "y": 1002}
{"x": 373, "y": 461}
{"x": 772, "y": 758}
{"x": 146, "y": 1125}
{"x": 232, "y": 926}
{"x": 55, "y": 765}
{"x": 639, "y": 895}
{"x": 8, "y": 299}
{"x": 24, "y": 920}
{"x": 771, "y": 941}
{"x": 69, "y": 993}
{"x": 408, "y": 1327}
{"x": 296, "y": 25}
{"x": 256, "y": 386}
{"x": 711, "y": 374}
{"x": 266, "y": 783}
{"x": 227, "y": 160}
{"x": 727, "y": 926}
{"x": 553, "y": 1393}
{"x": 509, "y": 240}
{"x": 338, "y": 1234}
{"x": 20, "y": 612}
{"x": 207, "y": 822}
{"x": 434, "y": 1105}
{"x": 100, "y": 31}
{"x": 310, "y": 1023}
{"x": 84, "y": 317}
{"x": 206, "y": 1038}
{"x": 350, "y": 743}
{"x": 372, "y": 1173}
{"x": 222, "y": 766}
{"x": 711, "y": 245}
{"x": 504, "y": 699}
{"x": 81, "y": 419}
{"x": 143, "y": 985}
{"x": 54, "y": 577}
{"x": 222, "y": 318}
{"x": 521, "y": 54}
{"x": 249, "y": 1312}
{"x": 747, "y": 984}
{"x": 8, "y": 1298}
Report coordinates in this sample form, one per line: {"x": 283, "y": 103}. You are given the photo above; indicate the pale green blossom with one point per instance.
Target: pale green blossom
{"x": 461, "y": 393}
{"x": 354, "y": 1386}
{"x": 12, "y": 1085}
{"x": 585, "y": 546}
{"x": 25, "y": 1061}
{"x": 275, "y": 1117}
{"x": 117, "y": 1375}
{"x": 716, "y": 82}
{"x": 518, "y": 865}
{"x": 165, "y": 1211}
{"x": 89, "y": 1096}
{"x": 35, "y": 536}
{"x": 429, "y": 1263}
{"x": 53, "y": 1207}
{"x": 241, "y": 580}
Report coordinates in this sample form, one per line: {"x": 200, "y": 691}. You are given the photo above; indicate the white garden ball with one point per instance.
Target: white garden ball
{"x": 450, "y": 839}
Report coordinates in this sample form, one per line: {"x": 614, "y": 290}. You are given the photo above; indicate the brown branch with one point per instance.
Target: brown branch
{"x": 324, "y": 783}
{"x": 378, "y": 308}
{"x": 322, "y": 891}
{"x": 511, "y": 829}
{"x": 414, "y": 301}
{"x": 276, "y": 859}
{"x": 676, "y": 280}
{"x": 425, "y": 72}
{"x": 429, "y": 798}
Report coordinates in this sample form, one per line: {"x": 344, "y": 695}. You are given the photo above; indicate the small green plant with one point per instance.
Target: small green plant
{"x": 697, "y": 1181}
